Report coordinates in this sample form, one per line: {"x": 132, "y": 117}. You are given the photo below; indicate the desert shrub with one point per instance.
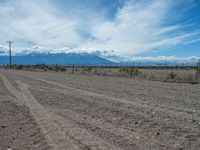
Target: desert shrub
{"x": 86, "y": 70}
{"x": 130, "y": 71}
{"x": 198, "y": 74}
{"x": 62, "y": 68}
{"x": 59, "y": 68}
{"x": 19, "y": 67}
{"x": 124, "y": 70}
{"x": 135, "y": 72}
{"x": 56, "y": 68}
{"x": 172, "y": 75}
{"x": 40, "y": 66}
{"x": 198, "y": 69}
{"x": 50, "y": 68}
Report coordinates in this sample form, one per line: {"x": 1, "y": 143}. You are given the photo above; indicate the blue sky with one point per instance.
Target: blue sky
{"x": 140, "y": 28}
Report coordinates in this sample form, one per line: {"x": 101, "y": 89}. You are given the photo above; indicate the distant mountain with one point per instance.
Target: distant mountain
{"x": 58, "y": 58}
{"x": 147, "y": 61}
{"x": 112, "y": 56}
{"x": 96, "y": 57}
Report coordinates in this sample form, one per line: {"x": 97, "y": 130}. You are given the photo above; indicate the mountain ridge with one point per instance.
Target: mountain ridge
{"x": 58, "y": 58}
{"x": 95, "y": 58}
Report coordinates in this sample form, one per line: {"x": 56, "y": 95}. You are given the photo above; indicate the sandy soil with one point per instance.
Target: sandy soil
{"x": 88, "y": 112}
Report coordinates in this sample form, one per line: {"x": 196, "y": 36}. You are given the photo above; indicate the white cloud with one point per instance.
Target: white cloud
{"x": 137, "y": 27}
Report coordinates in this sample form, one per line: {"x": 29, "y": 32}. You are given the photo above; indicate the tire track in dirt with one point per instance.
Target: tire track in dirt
{"x": 171, "y": 110}
{"x": 172, "y": 136}
{"x": 74, "y": 101}
{"x": 64, "y": 89}
{"x": 156, "y": 108}
{"x": 86, "y": 140}
{"x": 60, "y": 134}
{"x": 51, "y": 131}
{"x": 141, "y": 116}
{"x": 132, "y": 140}
{"x": 163, "y": 108}
{"x": 56, "y": 138}
{"x": 112, "y": 130}
{"x": 19, "y": 100}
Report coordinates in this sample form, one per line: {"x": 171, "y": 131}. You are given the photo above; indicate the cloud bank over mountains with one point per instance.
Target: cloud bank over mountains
{"x": 93, "y": 56}
{"x": 128, "y": 27}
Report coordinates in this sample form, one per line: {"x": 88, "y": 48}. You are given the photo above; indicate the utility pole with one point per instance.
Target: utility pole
{"x": 10, "y": 52}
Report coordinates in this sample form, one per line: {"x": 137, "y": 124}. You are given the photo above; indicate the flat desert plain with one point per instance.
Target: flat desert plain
{"x": 60, "y": 111}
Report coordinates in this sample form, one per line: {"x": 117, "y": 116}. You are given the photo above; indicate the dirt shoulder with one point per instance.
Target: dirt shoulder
{"x": 18, "y": 130}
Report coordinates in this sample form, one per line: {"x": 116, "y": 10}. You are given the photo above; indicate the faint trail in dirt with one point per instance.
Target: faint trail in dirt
{"x": 55, "y": 136}
{"x": 134, "y": 118}
{"x": 109, "y": 131}
{"x": 63, "y": 127}
{"x": 60, "y": 134}
{"x": 174, "y": 111}
{"x": 88, "y": 140}
{"x": 13, "y": 91}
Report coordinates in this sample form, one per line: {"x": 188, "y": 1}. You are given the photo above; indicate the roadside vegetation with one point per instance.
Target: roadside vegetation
{"x": 198, "y": 67}
{"x": 129, "y": 71}
{"x": 39, "y": 67}
{"x": 172, "y": 75}
{"x": 167, "y": 74}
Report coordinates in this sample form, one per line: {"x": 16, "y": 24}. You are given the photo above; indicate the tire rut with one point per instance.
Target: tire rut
{"x": 130, "y": 109}
{"x": 56, "y": 138}
{"x": 60, "y": 134}
{"x": 100, "y": 129}
{"x": 183, "y": 111}
{"x": 13, "y": 91}
{"x": 110, "y": 132}
{"x": 88, "y": 140}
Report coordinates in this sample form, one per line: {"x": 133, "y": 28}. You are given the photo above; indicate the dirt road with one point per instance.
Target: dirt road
{"x": 89, "y": 112}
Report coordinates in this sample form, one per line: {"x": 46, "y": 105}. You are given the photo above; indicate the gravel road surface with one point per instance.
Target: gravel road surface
{"x": 40, "y": 110}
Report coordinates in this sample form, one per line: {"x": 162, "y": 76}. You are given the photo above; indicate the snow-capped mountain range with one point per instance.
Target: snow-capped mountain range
{"x": 38, "y": 55}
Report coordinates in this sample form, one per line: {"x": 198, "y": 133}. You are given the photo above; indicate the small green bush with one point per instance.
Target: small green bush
{"x": 50, "y": 68}
{"x": 124, "y": 70}
{"x": 135, "y": 72}
{"x": 198, "y": 70}
{"x": 198, "y": 67}
{"x": 56, "y": 68}
{"x": 172, "y": 75}
{"x": 62, "y": 68}
{"x": 86, "y": 70}
{"x": 130, "y": 71}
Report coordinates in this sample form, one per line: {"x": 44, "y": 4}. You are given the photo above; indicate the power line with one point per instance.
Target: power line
{"x": 10, "y": 52}
{"x": 50, "y": 30}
